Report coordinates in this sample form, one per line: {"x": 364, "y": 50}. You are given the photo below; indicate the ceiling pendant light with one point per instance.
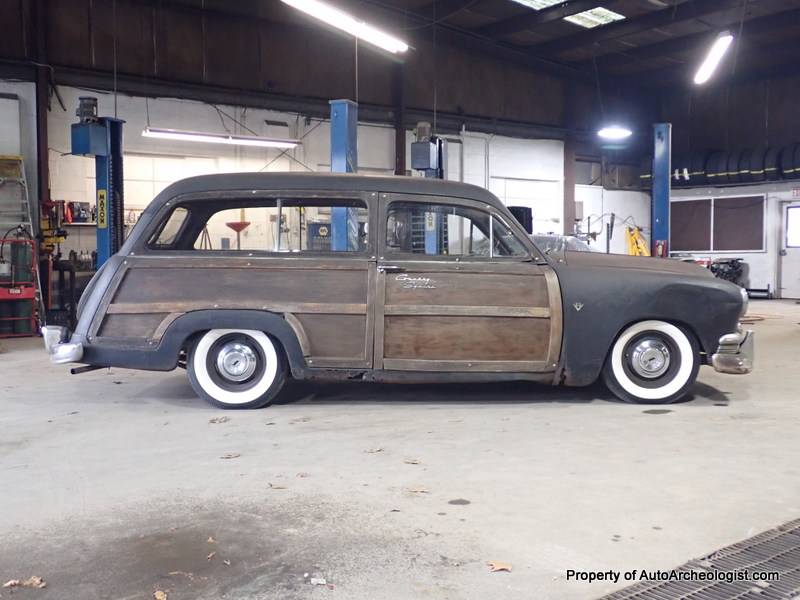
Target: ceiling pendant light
{"x": 714, "y": 57}
{"x": 614, "y": 132}
{"x": 348, "y": 23}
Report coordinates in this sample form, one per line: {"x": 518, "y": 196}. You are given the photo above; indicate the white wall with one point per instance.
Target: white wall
{"x": 763, "y": 266}
{"x": 18, "y": 130}
{"x": 152, "y": 164}
{"x": 630, "y": 208}
{"x": 518, "y": 171}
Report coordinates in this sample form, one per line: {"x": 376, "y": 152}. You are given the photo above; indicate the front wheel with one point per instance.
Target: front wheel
{"x": 232, "y": 368}
{"x": 652, "y": 362}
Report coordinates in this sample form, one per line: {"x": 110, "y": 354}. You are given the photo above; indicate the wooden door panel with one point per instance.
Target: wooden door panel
{"x": 475, "y": 338}
{"x": 447, "y": 316}
{"x": 448, "y": 287}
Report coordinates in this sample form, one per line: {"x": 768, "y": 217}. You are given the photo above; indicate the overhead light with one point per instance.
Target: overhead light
{"x": 594, "y": 17}
{"x": 714, "y": 57}
{"x": 614, "y": 132}
{"x": 346, "y": 22}
{"x": 217, "y": 138}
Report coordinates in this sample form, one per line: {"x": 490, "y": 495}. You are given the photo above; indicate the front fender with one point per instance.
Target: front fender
{"x": 600, "y": 302}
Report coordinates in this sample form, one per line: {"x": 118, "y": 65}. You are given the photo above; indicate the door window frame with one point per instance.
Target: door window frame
{"x": 387, "y": 254}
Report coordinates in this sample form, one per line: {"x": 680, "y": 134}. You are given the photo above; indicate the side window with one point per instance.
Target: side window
{"x": 290, "y": 225}
{"x": 448, "y": 230}
{"x": 167, "y": 235}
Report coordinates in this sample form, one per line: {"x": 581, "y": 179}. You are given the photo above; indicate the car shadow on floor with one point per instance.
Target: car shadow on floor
{"x": 176, "y": 391}
{"x": 522, "y": 392}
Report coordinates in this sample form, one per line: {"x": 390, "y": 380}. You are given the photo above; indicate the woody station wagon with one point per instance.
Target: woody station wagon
{"x": 248, "y": 279}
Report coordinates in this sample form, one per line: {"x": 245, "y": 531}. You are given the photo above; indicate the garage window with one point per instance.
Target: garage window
{"x": 448, "y": 230}
{"x": 733, "y": 224}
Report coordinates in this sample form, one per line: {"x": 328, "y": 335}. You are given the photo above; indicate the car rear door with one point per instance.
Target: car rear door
{"x": 452, "y": 298}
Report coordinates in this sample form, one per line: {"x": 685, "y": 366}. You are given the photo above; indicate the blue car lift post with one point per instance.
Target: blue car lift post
{"x": 101, "y": 137}
{"x": 344, "y": 159}
{"x": 662, "y": 150}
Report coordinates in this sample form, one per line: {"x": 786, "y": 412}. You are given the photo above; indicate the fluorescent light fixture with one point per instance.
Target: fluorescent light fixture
{"x": 614, "y": 132}
{"x": 217, "y": 138}
{"x": 588, "y": 18}
{"x": 346, "y": 22}
{"x": 714, "y": 57}
{"x": 538, "y": 4}
{"x": 594, "y": 17}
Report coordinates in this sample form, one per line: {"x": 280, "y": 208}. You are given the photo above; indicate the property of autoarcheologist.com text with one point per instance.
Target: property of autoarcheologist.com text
{"x": 637, "y": 575}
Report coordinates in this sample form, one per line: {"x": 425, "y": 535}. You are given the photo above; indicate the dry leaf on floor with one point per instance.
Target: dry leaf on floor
{"x": 211, "y": 555}
{"x": 373, "y": 450}
{"x": 211, "y": 540}
{"x": 227, "y": 562}
{"x": 496, "y": 565}
{"x": 419, "y": 489}
{"x": 160, "y": 595}
{"x": 230, "y": 455}
{"x": 274, "y": 486}
{"x": 34, "y": 581}
{"x": 219, "y": 420}
{"x": 411, "y": 461}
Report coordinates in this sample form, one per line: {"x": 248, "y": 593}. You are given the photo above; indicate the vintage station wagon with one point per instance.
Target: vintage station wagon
{"x": 248, "y": 279}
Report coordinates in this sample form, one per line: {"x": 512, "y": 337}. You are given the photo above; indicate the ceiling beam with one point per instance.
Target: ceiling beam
{"x": 533, "y": 18}
{"x": 681, "y": 45}
{"x": 682, "y": 12}
{"x": 758, "y": 64}
{"x": 442, "y": 8}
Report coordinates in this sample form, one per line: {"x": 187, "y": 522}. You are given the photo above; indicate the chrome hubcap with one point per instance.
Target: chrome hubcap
{"x": 650, "y": 358}
{"x": 236, "y": 361}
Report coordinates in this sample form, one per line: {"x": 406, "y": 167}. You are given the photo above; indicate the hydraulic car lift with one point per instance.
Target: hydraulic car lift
{"x": 101, "y": 137}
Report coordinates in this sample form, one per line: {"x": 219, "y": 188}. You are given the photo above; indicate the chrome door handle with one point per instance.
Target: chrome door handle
{"x": 390, "y": 269}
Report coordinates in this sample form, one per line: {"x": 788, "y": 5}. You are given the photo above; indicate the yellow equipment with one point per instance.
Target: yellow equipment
{"x": 637, "y": 245}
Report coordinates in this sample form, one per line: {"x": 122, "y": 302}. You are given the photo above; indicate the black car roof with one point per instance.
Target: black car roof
{"x": 343, "y": 182}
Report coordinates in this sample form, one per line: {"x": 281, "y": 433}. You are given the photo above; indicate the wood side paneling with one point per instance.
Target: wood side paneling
{"x": 140, "y": 326}
{"x": 339, "y": 336}
{"x": 468, "y": 289}
{"x": 471, "y": 338}
{"x": 235, "y": 286}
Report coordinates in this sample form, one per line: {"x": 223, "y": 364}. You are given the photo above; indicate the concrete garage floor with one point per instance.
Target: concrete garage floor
{"x": 112, "y": 482}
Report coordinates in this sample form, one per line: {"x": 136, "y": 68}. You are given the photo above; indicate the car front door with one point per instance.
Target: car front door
{"x": 460, "y": 289}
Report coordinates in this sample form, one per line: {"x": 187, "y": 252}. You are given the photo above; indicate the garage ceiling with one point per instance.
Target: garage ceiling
{"x": 657, "y": 42}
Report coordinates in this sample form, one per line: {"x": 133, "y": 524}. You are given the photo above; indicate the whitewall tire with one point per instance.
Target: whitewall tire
{"x": 236, "y": 368}
{"x": 652, "y": 362}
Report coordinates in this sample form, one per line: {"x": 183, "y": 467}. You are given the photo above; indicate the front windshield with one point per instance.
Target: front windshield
{"x": 559, "y": 243}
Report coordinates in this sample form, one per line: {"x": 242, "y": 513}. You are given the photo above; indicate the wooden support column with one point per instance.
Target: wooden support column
{"x": 42, "y": 105}
{"x": 398, "y": 106}
{"x": 569, "y": 160}
{"x": 569, "y": 184}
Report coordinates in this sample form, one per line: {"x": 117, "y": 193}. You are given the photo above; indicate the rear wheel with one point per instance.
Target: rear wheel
{"x": 232, "y": 368}
{"x": 652, "y": 362}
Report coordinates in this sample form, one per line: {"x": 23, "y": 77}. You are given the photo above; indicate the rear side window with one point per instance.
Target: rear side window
{"x": 291, "y": 225}
{"x": 168, "y": 234}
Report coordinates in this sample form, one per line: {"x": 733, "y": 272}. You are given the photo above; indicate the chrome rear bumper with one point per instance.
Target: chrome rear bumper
{"x": 735, "y": 353}
{"x": 61, "y": 350}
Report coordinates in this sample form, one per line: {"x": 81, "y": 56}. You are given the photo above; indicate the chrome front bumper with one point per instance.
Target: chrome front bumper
{"x": 735, "y": 353}
{"x": 61, "y": 350}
